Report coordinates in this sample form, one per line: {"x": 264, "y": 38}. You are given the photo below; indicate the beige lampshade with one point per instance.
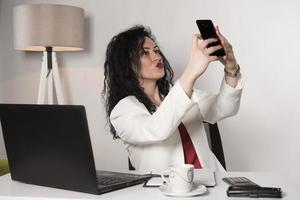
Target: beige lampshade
{"x": 37, "y": 26}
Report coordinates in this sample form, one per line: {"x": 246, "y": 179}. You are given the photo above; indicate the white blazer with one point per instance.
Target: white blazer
{"x": 153, "y": 141}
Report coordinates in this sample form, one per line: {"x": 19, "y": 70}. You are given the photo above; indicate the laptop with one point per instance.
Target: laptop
{"x": 49, "y": 145}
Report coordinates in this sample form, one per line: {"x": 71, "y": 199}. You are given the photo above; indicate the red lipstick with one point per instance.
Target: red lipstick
{"x": 159, "y": 65}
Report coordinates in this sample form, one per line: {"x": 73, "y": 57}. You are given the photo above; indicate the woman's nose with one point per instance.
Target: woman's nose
{"x": 155, "y": 56}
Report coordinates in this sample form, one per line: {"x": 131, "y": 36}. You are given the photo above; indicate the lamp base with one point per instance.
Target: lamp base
{"x": 47, "y": 78}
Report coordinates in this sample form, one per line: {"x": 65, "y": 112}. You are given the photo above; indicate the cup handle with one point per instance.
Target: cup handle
{"x": 163, "y": 173}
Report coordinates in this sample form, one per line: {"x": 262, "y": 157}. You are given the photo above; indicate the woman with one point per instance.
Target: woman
{"x": 161, "y": 124}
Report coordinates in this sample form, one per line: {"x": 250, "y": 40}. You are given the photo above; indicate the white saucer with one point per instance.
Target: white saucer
{"x": 196, "y": 191}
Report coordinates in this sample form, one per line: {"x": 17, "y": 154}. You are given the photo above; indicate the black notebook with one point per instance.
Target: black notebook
{"x": 49, "y": 145}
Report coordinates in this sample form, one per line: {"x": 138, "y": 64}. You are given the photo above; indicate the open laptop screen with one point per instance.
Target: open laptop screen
{"x": 49, "y": 145}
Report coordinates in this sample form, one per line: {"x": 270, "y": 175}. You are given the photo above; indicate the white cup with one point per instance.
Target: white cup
{"x": 180, "y": 178}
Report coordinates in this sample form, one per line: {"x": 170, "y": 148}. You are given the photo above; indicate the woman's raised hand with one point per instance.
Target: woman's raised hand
{"x": 200, "y": 55}
{"x": 198, "y": 62}
{"x": 228, "y": 60}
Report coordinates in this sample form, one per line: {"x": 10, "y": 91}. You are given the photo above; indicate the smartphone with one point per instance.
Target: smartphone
{"x": 254, "y": 191}
{"x": 207, "y": 30}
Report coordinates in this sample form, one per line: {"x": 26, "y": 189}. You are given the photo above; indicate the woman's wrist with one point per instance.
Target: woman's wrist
{"x": 232, "y": 72}
{"x": 231, "y": 65}
{"x": 187, "y": 81}
{"x": 232, "y": 77}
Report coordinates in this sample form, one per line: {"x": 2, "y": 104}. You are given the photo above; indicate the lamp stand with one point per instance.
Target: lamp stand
{"x": 50, "y": 75}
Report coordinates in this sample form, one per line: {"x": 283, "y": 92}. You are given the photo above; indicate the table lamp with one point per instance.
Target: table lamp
{"x": 48, "y": 28}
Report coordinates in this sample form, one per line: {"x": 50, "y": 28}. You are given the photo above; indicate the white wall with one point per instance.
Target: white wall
{"x": 263, "y": 136}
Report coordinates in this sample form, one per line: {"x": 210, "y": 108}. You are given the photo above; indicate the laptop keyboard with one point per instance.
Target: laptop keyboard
{"x": 107, "y": 178}
{"x": 110, "y": 180}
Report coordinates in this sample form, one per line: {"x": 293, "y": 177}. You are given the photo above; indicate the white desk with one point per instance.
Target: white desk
{"x": 12, "y": 190}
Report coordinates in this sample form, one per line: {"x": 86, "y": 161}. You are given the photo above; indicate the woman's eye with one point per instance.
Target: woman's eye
{"x": 143, "y": 52}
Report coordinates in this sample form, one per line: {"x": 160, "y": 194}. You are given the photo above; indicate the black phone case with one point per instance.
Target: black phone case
{"x": 253, "y": 191}
{"x": 207, "y": 30}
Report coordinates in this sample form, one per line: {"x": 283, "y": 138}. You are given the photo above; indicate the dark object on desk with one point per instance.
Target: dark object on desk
{"x": 49, "y": 145}
{"x": 253, "y": 191}
{"x": 214, "y": 141}
{"x": 239, "y": 181}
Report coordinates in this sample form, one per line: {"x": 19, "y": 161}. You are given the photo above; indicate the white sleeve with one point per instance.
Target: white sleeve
{"x": 215, "y": 107}
{"x": 134, "y": 124}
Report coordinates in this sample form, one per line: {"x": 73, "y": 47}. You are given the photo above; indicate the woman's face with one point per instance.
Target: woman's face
{"x": 152, "y": 67}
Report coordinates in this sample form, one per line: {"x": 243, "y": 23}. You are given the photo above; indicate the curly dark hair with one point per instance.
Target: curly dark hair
{"x": 121, "y": 70}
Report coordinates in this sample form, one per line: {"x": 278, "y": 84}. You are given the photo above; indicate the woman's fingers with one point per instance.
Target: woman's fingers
{"x": 213, "y": 58}
{"x": 209, "y": 50}
{"x": 228, "y": 60}
{"x": 212, "y": 49}
{"x": 204, "y": 43}
{"x": 221, "y": 37}
{"x": 224, "y": 41}
{"x": 196, "y": 38}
